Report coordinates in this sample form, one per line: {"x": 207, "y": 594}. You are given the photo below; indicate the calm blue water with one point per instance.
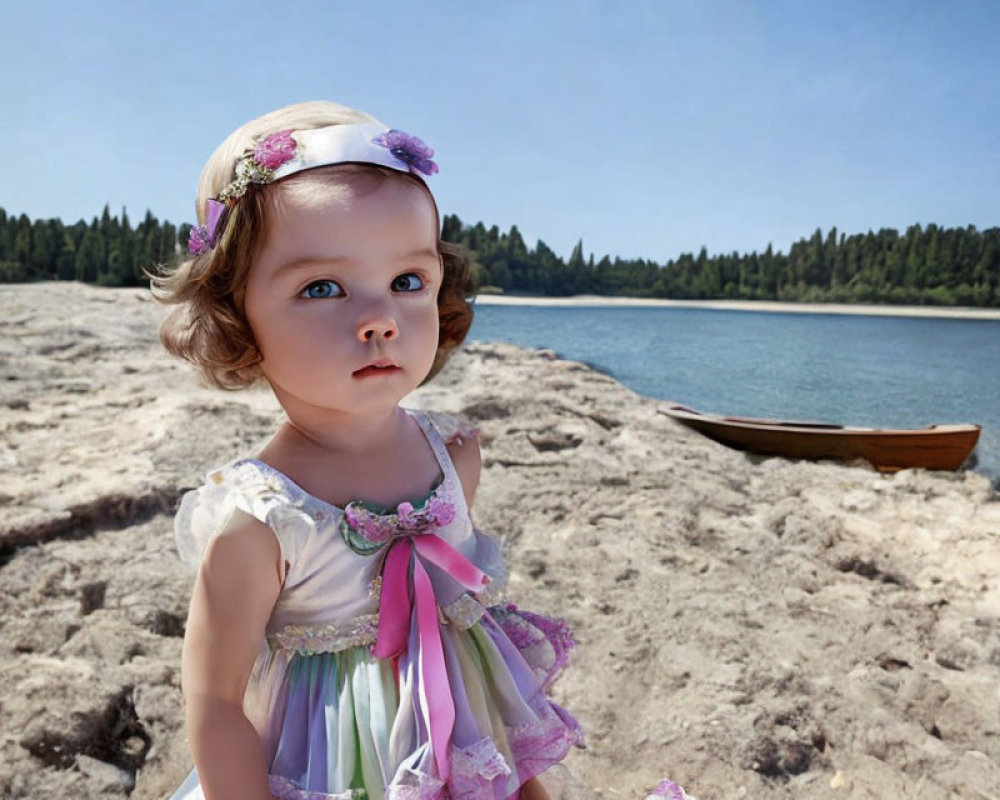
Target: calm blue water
{"x": 853, "y": 370}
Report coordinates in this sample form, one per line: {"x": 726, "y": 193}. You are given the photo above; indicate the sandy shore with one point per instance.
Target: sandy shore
{"x": 747, "y": 305}
{"x": 752, "y": 628}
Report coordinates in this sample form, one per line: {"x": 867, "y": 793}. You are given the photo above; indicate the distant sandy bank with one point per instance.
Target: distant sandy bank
{"x": 960, "y": 312}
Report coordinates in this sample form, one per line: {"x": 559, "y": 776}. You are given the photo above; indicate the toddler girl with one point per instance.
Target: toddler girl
{"x": 346, "y": 637}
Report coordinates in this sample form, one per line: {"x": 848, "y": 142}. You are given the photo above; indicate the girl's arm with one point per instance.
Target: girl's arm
{"x": 468, "y": 461}
{"x": 236, "y": 588}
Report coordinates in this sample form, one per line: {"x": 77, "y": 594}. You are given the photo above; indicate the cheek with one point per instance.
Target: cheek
{"x": 429, "y": 322}
{"x": 423, "y": 327}
{"x": 255, "y": 311}
{"x": 278, "y": 336}
{"x": 261, "y": 321}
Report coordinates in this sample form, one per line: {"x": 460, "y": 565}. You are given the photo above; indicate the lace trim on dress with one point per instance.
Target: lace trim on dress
{"x": 468, "y": 608}
{"x": 463, "y": 612}
{"x": 286, "y": 789}
{"x": 430, "y": 790}
{"x": 478, "y": 761}
{"x": 475, "y": 769}
{"x": 544, "y": 642}
{"x": 546, "y": 738}
{"x": 418, "y": 786}
{"x": 494, "y": 591}
{"x": 327, "y": 638}
{"x": 535, "y": 746}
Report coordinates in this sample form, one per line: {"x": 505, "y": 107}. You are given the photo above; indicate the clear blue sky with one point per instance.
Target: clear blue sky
{"x": 646, "y": 128}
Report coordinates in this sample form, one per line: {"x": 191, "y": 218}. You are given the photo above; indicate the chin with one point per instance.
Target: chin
{"x": 383, "y": 397}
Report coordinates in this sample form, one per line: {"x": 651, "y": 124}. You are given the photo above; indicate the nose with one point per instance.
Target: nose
{"x": 377, "y": 326}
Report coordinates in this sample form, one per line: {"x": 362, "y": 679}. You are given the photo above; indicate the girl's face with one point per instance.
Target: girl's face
{"x": 342, "y": 298}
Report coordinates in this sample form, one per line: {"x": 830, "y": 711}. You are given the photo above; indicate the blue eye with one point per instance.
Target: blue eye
{"x": 318, "y": 290}
{"x": 410, "y": 282}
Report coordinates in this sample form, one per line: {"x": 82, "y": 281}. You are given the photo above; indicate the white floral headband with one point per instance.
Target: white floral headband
{"x": 284, "y": 153}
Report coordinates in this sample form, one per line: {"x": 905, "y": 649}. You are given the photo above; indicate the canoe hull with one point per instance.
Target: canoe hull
{"x": 944, "y": 447}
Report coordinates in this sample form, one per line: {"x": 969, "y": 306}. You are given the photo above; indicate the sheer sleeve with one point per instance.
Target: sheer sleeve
{"x": 204, "y": 512}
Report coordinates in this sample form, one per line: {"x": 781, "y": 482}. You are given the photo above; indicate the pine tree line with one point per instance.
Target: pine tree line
{"x": 932, "y": 265}
{"x": 108, "y": 251}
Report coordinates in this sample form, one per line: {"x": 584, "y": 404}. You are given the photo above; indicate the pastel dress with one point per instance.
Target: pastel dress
{"x": 391, "y": 668}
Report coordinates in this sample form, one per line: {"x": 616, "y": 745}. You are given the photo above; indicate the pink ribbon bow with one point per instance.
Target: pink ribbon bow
{"x": 395, "y": 609}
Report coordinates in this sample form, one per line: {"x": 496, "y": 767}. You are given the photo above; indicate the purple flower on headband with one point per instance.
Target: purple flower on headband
{"x": 204, "y": 237}
{"x": 408, "y": 149}
{"x": 199, "y": 241}
{"x": 275, "y": 150}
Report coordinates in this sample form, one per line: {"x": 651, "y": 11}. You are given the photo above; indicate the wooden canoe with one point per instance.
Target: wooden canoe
{"x": 933, "y": 447}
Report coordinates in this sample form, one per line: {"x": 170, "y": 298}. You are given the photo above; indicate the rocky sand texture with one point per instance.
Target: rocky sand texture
{"x": 751, "y": 628}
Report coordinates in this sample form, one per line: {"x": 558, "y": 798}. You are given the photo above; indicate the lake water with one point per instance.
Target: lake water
{"x": 853, "y": 370}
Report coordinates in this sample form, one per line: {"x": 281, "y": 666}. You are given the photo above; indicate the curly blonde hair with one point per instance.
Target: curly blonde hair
{"x": 209, "y": 326}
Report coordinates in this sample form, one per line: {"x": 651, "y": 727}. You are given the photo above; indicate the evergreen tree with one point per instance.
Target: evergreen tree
{"x": 451, "y": 228}
{"x": 41, "y": 261}
{"x": 66, "y": 260}
{"x": 90, "y": 255}
{"x": 6, "y": 238}
{"x": 22, "y": 240}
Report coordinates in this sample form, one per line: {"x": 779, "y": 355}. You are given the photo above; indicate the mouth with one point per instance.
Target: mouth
{"x": 383, "y": 366}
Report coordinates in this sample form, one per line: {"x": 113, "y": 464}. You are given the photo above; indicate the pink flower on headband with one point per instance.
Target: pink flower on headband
{"x": 409, "y": 149}
{"x": 275, "y": 150}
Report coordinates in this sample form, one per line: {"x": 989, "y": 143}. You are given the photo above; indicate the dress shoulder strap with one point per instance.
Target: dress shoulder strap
{"x": 440, "y": 429}
{"x": 450, "y": 427}
{"x": 436, "y": 441}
